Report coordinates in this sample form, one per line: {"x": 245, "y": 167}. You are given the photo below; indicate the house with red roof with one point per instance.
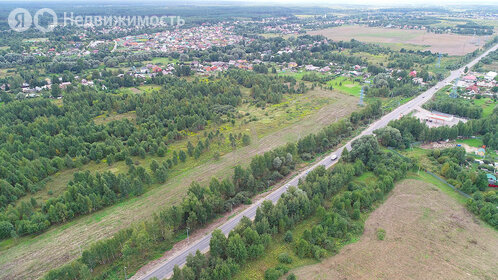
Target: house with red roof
{"x": 473, "y": 88}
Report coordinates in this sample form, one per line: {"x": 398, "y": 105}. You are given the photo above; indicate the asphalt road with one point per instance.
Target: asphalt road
{"x": 165, "y": 269}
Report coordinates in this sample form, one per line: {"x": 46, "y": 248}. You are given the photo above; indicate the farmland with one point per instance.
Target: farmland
{"x": 428, "y": 235}
{"x": 445, "y": 43}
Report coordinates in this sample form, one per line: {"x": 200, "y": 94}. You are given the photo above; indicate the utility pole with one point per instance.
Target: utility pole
{"x": 188, "y": 238}
{"x": 454, "y": 91}
{"x": 361, "y": 97}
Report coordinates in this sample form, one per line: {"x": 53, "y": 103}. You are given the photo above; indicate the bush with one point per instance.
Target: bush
{"x": 291, "y": 277}
{"x": 288, "y": 237}
{"x": 5, "y": 229}
{"x": 285, "y": 258}
{"x": 272, "y": 274}
{"x": 306, "y": 156}
{"x": 381, "y": 233}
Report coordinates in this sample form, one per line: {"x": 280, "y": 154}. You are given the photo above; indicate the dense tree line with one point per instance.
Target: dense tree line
{"x": 39, "y": 138}
{"x": 266, "y": 88}
{"x": 413, "y": 130}
{"x": 385, "y": 85}
{"x": 454, "y": 106}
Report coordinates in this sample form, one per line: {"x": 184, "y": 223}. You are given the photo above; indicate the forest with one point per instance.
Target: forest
{"x": 455, "y": 106}
{"x": 39, "y": 138}
{"x": 202, "y": 204}
{"x": 410, "y": 129}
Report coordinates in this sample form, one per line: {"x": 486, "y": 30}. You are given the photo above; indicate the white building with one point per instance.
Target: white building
{"x": 490, "y": 75}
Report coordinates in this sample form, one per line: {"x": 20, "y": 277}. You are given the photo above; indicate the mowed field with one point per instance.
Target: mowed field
{"x": 34, "y": 256}
{"x": 429, "y": 235}
{"x": 451, "y": 44}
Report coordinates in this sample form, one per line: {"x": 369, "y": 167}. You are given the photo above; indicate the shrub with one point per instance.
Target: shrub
{"x": 285, "y": 258}
{"x": 5, "y": 229}
{"x": 272, "y": 274}
{"x": 306, "y": 156}
{"x": 288, "y": 237}
{"x": 291, "y": 277}
{"x": 381, "y": 233}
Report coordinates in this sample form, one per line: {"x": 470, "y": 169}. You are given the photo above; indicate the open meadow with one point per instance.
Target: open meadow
{"x": 451, "y": 44}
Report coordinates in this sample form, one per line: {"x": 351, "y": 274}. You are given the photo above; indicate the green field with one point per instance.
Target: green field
{"x": 161, "y": 61}
{"x": 473, "y": 142}
{"x": 345, "y": 85}
{"x": 487, "y": 105}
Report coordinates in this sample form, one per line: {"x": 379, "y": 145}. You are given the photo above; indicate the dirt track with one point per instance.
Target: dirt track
{"x": 428, "y": 236}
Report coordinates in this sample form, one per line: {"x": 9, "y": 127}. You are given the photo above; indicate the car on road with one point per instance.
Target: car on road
{"x": 333, "y": 157}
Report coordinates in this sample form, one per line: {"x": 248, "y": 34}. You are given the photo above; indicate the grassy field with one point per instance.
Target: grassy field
{"x": 341, "y": 83}
{"x": 449, "y": 22}
{"x": 491, "y": 67}
{"x": 473, "y": 142}
{"x": 35, "y": 40}
{"x": 487, "y": 105}
{"x": 429, "y": 235}
{"x": 451, "y": 44}
{"x": 273, "y": 35}
{"x": 161, "y": 61}
{"x": 295, "y": 117}
{"x": 346, "y": 85}
{"x": 378, "y": 59}
{"x": 7, "y": 72}
{"x": 399, "y": 46}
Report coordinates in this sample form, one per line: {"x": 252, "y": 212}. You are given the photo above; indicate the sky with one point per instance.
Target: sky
{"x": 298, "y": 2}
{"x": 380, "y": 2}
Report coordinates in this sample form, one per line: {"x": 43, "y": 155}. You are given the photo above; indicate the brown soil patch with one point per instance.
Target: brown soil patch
{"x": 428, "y": 236}
{"x": 451, "y": 44}
{"x": 449, "y": 144}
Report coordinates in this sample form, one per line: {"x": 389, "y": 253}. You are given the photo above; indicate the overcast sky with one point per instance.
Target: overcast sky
{"x": 293, "y": 2}
{"x": 378, "y": 2}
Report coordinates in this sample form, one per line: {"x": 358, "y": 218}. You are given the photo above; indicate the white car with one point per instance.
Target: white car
{"x": 333, "y": 157}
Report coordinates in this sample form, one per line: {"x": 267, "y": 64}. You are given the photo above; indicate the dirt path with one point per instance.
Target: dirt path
{"x": 428, "y": 236}
{"x": 34, "y": 256}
